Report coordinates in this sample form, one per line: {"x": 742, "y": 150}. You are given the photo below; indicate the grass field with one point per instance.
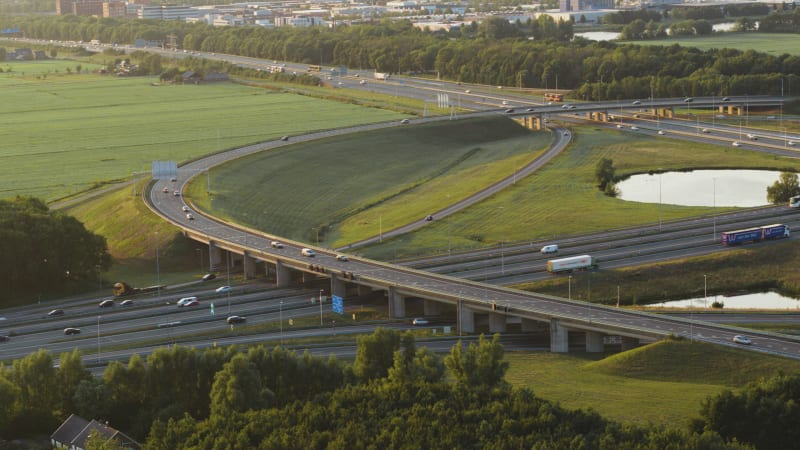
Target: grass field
{"x": 773, "y": 43}
{"x": 662, "y": 383}
{"x": 67, "y": 133}
{"x": 346, "y": 186}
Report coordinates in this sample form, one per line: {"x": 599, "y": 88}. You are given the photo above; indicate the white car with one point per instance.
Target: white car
{"x": 186, "y": 300}
{"x": 467, "y": 91}
{"x": 362, "y": 82}
{"x": 341, "y": 257}
{"x": 736, "y": 143}
{"x": 752, "y": 137}
{"x": 637, "y": 102}
{"x": 505, "y": 102}
{"x": 276, "y": 244}
{"x": 185, "y": 208}
{"x": 223, "y": 289}
{"x": 405, "y": 121}
{"x": 307, "y": 252}
{"x": 790, "y": 142}
{"x": 706, "y": 130}
{"x": 189, "y": 216}
{"x": 619, "y": 125}
{"x": 634, "y": 128}
{"x": 661, "y": 132}
{"x": 744, "y": 340}
{"x": 552, "y": 248}
{"x": 420, "y": 321}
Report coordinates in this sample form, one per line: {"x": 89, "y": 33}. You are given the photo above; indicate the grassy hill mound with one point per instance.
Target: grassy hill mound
{"x": 680, "y": 360}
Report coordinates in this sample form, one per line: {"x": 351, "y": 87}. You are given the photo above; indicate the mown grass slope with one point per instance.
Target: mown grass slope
{"x": 662, "y": 383}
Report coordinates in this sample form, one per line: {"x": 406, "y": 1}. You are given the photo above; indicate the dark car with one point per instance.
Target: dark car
{"x": 56, "y": 312}
{"x": 688, "y": 100}
{"x": 284, "y": 138}
{"x": 5, "y": 338}
{"x": 428, "y": 218}
{"x": 235, "y": 319}
{"x": 106, "y": 304}
{"x": 127, "y": 303}
{"x": 209, "y": 277}
{"x": 71, "y": 331}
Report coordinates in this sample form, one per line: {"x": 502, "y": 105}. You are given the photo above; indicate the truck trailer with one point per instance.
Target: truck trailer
{"x": 755, "y": 234}
{"x": 581, "y": 262}
{"x": 381, "y": 76}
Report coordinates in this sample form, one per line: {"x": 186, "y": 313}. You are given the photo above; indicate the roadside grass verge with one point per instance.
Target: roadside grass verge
{"x": 344, "y": 187}
{"x": 663, "y": 383}
{"x": 762, "y": 267}
{"x": 562, "y": 199}
{"x": 771, "y": 43}
{"x": 73, "y": 133}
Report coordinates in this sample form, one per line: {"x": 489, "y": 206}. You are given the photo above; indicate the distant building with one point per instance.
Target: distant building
{"x": 114, "y": 9}
{"x": 583, "y": 5}
{"x": 75, "y": 431}
{"x": 167, "y": 12}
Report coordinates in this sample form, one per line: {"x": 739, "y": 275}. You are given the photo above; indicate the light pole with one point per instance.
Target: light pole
{"x": 158, "y": 273}
{"x": 320, "y": 307}
{"x": 281, "y": 318}
{"x": 98, "y": 338}
{"x": 705, "y": 291}
{"x": 569, "y": 288}
{"x": 714, "y": 205}
{"x": 659, "y": 200}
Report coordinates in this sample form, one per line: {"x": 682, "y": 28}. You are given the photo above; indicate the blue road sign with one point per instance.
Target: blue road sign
{"x": 338, "y": 304}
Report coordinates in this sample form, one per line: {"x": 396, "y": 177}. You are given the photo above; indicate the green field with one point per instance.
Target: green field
{"x": 773, "y": 43}
{"x": 560, "y": 199}
{"x": 663, "y": 383}
{"x": 64, "y": 134}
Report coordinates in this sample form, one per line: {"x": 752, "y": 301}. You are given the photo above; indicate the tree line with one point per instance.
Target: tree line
{"x": 394, "y": 394}
{"x": 490, "y": 53}
{"x": 45, "y": 251}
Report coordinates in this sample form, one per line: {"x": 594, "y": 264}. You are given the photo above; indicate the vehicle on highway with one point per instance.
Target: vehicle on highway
{"x": 235, "y": 319}
{"x": 735, "y": 144}
{"x": 186, "y": 300}
{"x": 189, "y": 303}
{"x": 505, "y": 102}
{"x": 661, "y": 132}
{"x": 405, "y": 121}
{"x": 165, "y": 190}
{"x": 276, "y": 244}
{"x": 467, "y": 91}
{"x": 509, "y": 110}
{"x": 428, "y": 218}
{"x": 706, "y": 130}
{"x": 56, "y": 312}
{"x": 530, "y": 110}
{"x": 552, "y": 248}
{"x": 286, "y": 138}
{"x": 208, "y": 277}
{"x": 637, "y": 102}
{"x": 420, "y": 321}
{"x": 572, "y": 263}
{"x": 790, "y": 142}
{"x": 223, "y": 289}
{"x": 634, "y": 128}
{"x": 726, "y": 99}
{"x": 688, "y": 100}
{"x": 752, "y": 137}
{"x": 619, "y": 125}
{"x": 341, "y": 257}
{"x": 189, "y": 216}
{"x": 70, "y": 331}
{"x": 4, "y": 338}
{"x": 307, "y": 252}
{"x": 744, "y": 340}
{"x": 755, "y": 234}
{"x": 106, "y": 304}
{"x": 127, "y": 303}
{"x": 362, "y": 82}
{"x": 185, "y": 208}
{"x": 176, "y": 193}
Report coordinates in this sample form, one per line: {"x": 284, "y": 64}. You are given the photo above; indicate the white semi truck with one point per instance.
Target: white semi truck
{"x": 381, "y": 76}
{"x": 581, "y": 262}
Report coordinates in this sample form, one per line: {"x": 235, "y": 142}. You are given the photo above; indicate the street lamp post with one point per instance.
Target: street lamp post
{"x": 320, "y": 307}
{"x": 281, "y": 319}
{"x": 714, "y": 205}
{"x": 158, "y": 273}
{"x": 569, "y": 288}
{"x": 705, "y": 291}
{"x": 98, "y": 339}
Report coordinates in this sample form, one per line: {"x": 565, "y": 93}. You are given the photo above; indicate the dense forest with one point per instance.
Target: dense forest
{"x": 393, "y": 395}
{"x": 46, "y": 250}
{"x": 493, "y": 52}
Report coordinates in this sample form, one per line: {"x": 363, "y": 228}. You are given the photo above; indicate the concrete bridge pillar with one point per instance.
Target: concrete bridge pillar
{"x": 431, "y": 308}
{"x": 249, "y": 266}
{"x": 559, "y": 337}
{"x": 466, "y": 318}
{"x": 629, "y": 343}
{"x": 594, "y": 342}
{"x": 397, "y": 304}
{"x": 214, "y": 256}
{"x": 282, "y": 276}
{"x": 497, "y": 323}
{"x": 338, "y": 286}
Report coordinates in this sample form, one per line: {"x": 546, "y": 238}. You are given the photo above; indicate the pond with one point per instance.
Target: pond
{"x": 761, "y": 300}
{"x": 724, "y": 188}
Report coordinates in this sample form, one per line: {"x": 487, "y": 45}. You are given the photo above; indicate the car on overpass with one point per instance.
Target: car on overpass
{"x": 744, "y": 340}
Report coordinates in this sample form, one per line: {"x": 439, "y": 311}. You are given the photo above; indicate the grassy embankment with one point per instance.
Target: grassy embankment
{"x": 771, "y": 43}
{"x": 663, "y": 383}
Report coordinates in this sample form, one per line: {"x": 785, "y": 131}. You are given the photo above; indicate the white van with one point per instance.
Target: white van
{"x": 307, "y": 252}
{"x": 552, "y": 248}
